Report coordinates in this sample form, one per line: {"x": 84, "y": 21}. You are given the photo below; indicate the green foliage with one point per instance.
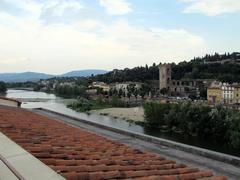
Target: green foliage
{"x": 116, "y": 102}
{"x": 203, "y": 93}
{"x": 100, "y": 91}
{"x": 219, "y": 124}
{"x": 137, "y": 74}
{"x": 210, "y": 67}
{"x": 235, "y": 131}
{"x": 3, "y": 87}
{"x": 154, "y": 113}
{"x": 70, "y": 90}
{"x": 206, "y": 67}
{"x": 22, "y": 84}
{"x": 82, "y": 105}
{"x": 163, "y": 91}
{"x": 99, "y": 103}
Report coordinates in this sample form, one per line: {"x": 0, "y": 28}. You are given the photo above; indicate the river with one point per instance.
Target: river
{"x": 32, "y": 99}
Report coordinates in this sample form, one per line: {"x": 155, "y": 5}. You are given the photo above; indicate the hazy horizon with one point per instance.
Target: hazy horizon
{"x": 59, "y": 36}
{"x": 52, "y": 73}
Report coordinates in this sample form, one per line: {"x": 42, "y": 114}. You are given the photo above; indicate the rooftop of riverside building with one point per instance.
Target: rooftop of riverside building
{"x": 75, "y": 153}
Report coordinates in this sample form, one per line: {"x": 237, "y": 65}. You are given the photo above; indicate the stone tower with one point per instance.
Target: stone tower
{"x": 164, "y": 76}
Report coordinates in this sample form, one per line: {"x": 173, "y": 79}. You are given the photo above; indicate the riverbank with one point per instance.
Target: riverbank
{"x": 135, "y": 114}
{"x": 59, "y": 104}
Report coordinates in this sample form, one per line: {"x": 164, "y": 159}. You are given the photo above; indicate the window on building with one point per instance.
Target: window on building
{"x": 168, "y": 71}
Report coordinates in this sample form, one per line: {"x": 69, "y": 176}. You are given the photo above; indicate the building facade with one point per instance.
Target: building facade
{"x": 101, "y": 85}
{"x": 182, "y": 87}
{"x": 223, "y": 93}
{"x": 214, "y": 95}
{"x": 124, "y": 86}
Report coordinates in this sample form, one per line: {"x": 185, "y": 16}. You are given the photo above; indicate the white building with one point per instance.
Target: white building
{"x": 102, "y": 85}
{"x": 228, "y": 93}
{"x": 124, "y": 86}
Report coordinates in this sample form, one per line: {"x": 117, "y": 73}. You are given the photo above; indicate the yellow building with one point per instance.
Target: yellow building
{"x": 237, "y": 95}
{"x": 214, "y": 95}
{"x": 223, "y": 93}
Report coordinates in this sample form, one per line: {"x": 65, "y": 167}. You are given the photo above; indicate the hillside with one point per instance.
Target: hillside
{"x": 139, "y": 74}
{"x": 83, "y": 73}
{"x": 225, "y": 67}
{"x": 34, "y": 76}
{"x": 23, "y": 77}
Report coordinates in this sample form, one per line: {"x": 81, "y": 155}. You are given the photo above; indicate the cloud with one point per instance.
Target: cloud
{"x": 212, "y": 7}
{"x": 57, "y": 48}
{"x": 19, "y": 8}
{"x": 116, "y": 7}
{"x": 14, "y": 60}
{"x": 61, "y": 7}
{"x": 61, "y": 11}
{"x": 86, "y": 42}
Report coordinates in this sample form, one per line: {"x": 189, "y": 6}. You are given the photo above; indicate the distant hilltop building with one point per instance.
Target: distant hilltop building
{"x": 182, "y": 87}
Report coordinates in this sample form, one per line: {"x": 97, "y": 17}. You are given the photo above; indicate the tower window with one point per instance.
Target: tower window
{"x": 168, "y": 80}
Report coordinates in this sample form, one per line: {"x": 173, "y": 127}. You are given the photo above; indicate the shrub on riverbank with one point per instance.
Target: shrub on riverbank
{"x": 67, "y": 90}
{"x": 3, "y": 87}
{"x": 217, "y": 123}
{"x": 84, "y": 105}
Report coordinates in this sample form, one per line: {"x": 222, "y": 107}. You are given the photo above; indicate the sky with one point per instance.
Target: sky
{"x": 56, "y": 36}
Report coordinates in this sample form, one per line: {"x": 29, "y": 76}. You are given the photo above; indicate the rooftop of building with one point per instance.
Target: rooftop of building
{"x": 79, "y": 154}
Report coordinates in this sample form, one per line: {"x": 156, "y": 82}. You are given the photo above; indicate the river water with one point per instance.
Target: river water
{"x": 32, "y": 99}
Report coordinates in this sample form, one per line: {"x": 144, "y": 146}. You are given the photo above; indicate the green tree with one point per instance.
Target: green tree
{"x": 163, "y": 91}
{"x": 120, "y": 93}
{"x": 135, "y": 93}
{"x": 235, "y": 131}
{"x": 100, "y": 91}
{"x": 82, "y": 105}
{"x": 3, "y": 87}
{"x": 203, "y": 93}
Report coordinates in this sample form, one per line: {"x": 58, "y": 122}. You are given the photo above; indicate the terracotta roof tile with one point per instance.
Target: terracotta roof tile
{"x": 80, "y": 155}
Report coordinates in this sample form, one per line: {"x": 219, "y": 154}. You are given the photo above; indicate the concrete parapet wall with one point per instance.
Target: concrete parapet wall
{"x": 233, "y": 160}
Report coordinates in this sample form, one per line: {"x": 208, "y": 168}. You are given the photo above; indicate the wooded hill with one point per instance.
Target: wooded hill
{"x": 225, "y": 67}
